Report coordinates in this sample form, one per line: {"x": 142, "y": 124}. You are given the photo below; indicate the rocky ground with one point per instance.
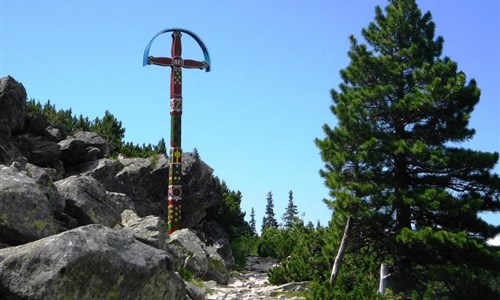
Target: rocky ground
{"x": 252, "y": 283}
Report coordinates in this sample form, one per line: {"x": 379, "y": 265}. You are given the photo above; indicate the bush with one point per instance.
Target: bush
{"x": 242, "y": 247}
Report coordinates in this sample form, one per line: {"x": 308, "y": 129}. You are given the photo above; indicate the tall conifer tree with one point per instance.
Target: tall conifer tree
{"x": 394, "y": 163}
{"x": 269, "y": 219}
{"x": 290, "y": 212}
{"x": 253, "y": 226}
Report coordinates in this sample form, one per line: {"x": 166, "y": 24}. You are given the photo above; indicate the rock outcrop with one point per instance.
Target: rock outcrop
{"x": 12, "y": 114}
{"x": 196, "y": 258}
{"x": 90, "y": 262}
{"x": 216, "y": 241}
{"x": 87, "y": 201}
{"x": 83, "y": 147}
{"x": 150, "y": 230}
{"x": 60, "y": 199}
{"x": 13, "y": 104}
{"x": 27, "y": 209}
{"x": 30, "y": 138}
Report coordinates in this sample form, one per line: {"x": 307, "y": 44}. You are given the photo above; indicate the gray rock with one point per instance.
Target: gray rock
{"x": 53, "y": 133}
{"x": 26, "y": 208}
{"x": 55, "y": 171}
{"x": 8, "y": 152}
{"x": 150, "y": 230}
{"x": 71, "y": 151}
{"x": 145, "y": 182}
{"x": 13, "y": 103}
{"x": 142, "y": 180}
{"x": 121, "y": 201}
{"x": 36, "y": 123}
{"x": 92, "y": 153}
{"x": 43, "y": 179}
{"x": 12, "y": 119}
{"x": 92, "y": 139}
{"x": 252, "y": 283}
{"x": 86, "y": 201}
{"x": 197, "y": 259}
{"x": 201, "y": 190}
{"x": 216, "y": 240}
{"x": 83, "y": 147}
{"x": 104, "y": 170}
{"x": 90, "y": 262}
{"x": 195, "y": 292}
{"x": 37, "y": 149}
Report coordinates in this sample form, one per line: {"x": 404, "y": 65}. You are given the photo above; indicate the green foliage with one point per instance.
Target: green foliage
{"x": 243, "y": 246}
{"x": 111, "y": 130}
{"x": 290, "y": 213}
{"x": 229, "y": 215}
{"x": 108, "y": 127}
{"x": 63, "y": 119}
{"x": 305, "y": 259}
{"x": 392, "y": 162}
{"x": 185, "y": 274}
{"x": 161, "y": 147}
{"x": 269, "y": 219}
{"x": 277, "y": 243}
{"x": 134, "y": 150}
{"x": 252, "y": 223}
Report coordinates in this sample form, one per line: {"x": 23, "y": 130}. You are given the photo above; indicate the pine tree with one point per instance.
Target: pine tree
{"x": 252, "y": 223}
{"x": 161, "y": 147}
{"x": 394, "y": 164}
{"x": 228, "y": 213}
{"x": 290, "y": 212}
{"x": 196, "y": 153}
{"x": 269, "y": 219}
{"x": 111, "y": 130}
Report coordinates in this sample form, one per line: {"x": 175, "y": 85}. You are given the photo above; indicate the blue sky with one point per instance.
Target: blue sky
{"x": 255, "y": 116}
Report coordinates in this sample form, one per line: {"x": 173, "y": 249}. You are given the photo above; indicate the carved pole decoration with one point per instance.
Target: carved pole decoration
{"x": 176, "y": 62}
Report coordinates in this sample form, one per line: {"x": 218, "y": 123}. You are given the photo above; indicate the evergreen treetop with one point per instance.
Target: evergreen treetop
{"x": 394, "y": 164}
{"x": 291, "y": 212}
{"x": 269, "y": 219}
{"x": 252, "y": 223}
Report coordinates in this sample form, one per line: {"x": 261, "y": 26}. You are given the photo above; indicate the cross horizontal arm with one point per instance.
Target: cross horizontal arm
{"x": 185, "y": 63}
{"x": 194, "y": 64}
{"x": 160, "y": 61}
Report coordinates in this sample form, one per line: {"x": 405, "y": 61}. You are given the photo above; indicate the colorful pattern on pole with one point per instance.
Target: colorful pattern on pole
{"x": 175, "y": 162}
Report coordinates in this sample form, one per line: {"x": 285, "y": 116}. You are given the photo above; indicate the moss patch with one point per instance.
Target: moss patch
{"x": 39, "y": 224}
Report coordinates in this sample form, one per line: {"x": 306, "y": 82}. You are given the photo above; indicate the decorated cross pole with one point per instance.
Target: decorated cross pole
{"x": 176, "y": 62}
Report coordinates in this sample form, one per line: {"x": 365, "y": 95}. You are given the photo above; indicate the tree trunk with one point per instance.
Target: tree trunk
{"x": 340, "y": 253}
{"x": 383, "y": 276}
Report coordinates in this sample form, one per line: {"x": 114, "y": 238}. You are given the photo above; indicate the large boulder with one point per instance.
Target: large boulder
{"x": 27, "y": 206}
{"x": 145, "y": 181}
{"x": 87, "y": 201}
{"x": 37, "y": 149}
{"x": 216, "y": 240}
{"x": 197, "y": 259}
{"x": 85, "y": 146}
{"x": 93, "y": 140}
{"x": 8, "y": 152}
{"x": 13, "y": 104}
{"x": 90, "y": 262}
{"x": 121, "y": 201}
{"x": 150, "y": 230}
{"x": 201, "y": 190}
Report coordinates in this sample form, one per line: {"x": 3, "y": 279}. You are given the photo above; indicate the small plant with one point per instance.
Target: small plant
{"x": 185, "y": 274}
{"x": 154, "y": 160}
